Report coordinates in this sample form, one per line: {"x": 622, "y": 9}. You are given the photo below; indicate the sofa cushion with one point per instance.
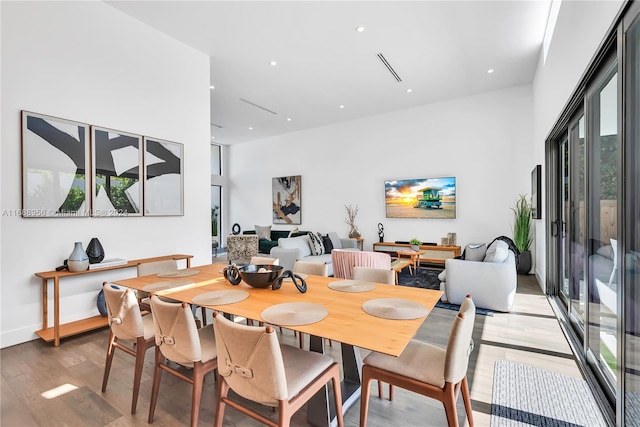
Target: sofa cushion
{"x": 475, "y": 252}
{"x": 497, "y": 252}
{"x": 327, "y": 243}
{"x": 335, "y": 240}
{"x": 263, "y": 232}
{"x": 317, "y": 247}
{"x": 300, "y": 242}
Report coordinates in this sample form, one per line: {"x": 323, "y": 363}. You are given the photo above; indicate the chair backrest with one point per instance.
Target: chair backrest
{"x": 460, "y": 342}
{"x": 176, "y": 332}
{"x": 156, "y": 267}
{"x": 241, "y": 247}
{"x": 315, "y": 268}
{"x": 378, "y": 275}
{"x": 344, "y": 261}
{"x": 265, "y": 260}
{"x": 250, "y": 360}
{"x": 123, "y": 312}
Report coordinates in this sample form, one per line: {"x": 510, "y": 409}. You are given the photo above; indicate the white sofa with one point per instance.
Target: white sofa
{"x": 292, "y": 249}
{"x": 492, "y": 285}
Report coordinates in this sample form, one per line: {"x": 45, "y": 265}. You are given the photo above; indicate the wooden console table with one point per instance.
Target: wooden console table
{"x": 73, "y": 328}
{"x": 431, "y": 254}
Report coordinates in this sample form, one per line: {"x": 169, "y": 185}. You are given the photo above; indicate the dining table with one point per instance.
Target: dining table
{"x": 346, "y": 320}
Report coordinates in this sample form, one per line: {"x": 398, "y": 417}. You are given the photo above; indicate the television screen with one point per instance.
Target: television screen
{"x": 421, "y": 198}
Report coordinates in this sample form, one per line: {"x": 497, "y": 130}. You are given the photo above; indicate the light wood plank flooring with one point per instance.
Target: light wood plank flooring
{"x": 529, "y": 334}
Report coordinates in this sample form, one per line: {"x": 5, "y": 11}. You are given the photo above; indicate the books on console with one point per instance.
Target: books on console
{"x": 110, "y": 262}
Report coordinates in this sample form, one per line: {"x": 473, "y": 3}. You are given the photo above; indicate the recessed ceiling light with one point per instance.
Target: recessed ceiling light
{"x": 250, "y": 128}
{"x": 212, "y": 87}
{"x": 342, "y": 106}
{"x": 213, "y": 137}
{"x": 409, "y": 90}
{"x": 490, "y": 70}
{"x": 288, "y": 119}
{"x": 273, "y": 63}
{"x": 360, "y": 29}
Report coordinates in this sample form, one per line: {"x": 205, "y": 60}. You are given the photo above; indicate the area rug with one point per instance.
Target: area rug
{"x": 528, "y": 396}
{"x": 427, "y": 278}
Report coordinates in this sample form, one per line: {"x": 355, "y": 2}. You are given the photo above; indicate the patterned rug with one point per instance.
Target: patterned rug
{"x": 525, "y": 396}
{"x": 427, "y": 278}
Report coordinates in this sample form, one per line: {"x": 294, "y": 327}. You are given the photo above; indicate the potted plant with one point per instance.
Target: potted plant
{"x": 522, "y": 236}
{"x": 415, "y": 244}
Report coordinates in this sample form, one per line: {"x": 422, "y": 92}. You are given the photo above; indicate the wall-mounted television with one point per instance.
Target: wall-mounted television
{"x": 421, "y": 198}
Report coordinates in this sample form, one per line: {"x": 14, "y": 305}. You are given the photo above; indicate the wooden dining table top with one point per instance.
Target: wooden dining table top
{"x": 346, "y": 321}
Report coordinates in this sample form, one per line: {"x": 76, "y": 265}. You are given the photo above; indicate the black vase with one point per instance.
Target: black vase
{"x": 524, "y": 262}
{"x": 95, "y": 252}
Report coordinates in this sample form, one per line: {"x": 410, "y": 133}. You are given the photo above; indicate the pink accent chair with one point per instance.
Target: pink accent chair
{"x": 344, "y": 261}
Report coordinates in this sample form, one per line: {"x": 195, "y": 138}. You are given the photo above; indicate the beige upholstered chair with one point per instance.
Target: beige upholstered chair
{"x": 264, "y": 260}
{"x": 314, "y": 268}
{"x": 429, "y": 370}
{"x": 127, "y": 323}
{"x": 241, "y": 247}
{"x": 378, "y": 275}
{"x": 255, "y": 366}
{"x": 178, "y": 340}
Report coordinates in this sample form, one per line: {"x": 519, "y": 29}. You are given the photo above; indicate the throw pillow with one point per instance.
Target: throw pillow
{"x": 497, "y": 252}
{"x": 317, "y": 248}
{"x": 335, "y": 240}
{"x": 442, "y": 276}
{"x": 475, "y": 252}
{"x": 264, "y": 233}
{"x": 301, "y": 242}
{"x": 327, "y": 243}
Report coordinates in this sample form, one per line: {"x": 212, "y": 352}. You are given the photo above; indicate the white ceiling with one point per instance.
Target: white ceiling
{"x": 440, "y": 49}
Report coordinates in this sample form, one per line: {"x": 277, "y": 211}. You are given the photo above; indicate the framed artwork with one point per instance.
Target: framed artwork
{"x": 286, "y": 200}
{"x": 163, "y": 177}
{"x": 55, "y": 162}
{"x": 536, "y": 196}
{"x": 117, "y": 173}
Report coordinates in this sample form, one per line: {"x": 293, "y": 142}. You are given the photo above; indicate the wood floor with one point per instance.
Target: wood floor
{"x": 529, "y": 334}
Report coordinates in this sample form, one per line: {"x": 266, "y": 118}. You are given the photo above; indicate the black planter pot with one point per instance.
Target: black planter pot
{"x": 524, "y": 262}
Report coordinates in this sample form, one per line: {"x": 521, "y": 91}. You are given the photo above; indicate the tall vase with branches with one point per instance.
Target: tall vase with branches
{"x": 522, "y": 233}
{"x": 351, "y": 220}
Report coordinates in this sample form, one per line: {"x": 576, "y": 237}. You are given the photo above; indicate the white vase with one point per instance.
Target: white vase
{"x": 78, "y": 260}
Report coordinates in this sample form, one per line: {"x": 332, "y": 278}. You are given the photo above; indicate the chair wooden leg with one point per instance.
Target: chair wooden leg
{"x": 284, "y": 414}
{"x": 380, "y": 392}
{"x": 301, "y": 340}
{"x": 203, "y": 310}
{"x": 390, "y": 391}
{"x": 449, "y": 402}
{"x": 107, "y": 364}
{"x": 337, "y": 395}
{"x": 141, "y": 349}
{"x": 157, "y": 374}
{"x": 364, "y": 395}
{"x": 196, "y": 395}
{"x": 467, "y": 400}
{"x": 223, "y": 390}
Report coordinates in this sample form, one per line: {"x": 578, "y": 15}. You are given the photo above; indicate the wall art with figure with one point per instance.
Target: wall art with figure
{"x": 286, "y": 200}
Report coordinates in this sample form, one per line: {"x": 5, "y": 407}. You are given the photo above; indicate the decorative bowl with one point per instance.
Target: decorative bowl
{"x": 260, "y": 275}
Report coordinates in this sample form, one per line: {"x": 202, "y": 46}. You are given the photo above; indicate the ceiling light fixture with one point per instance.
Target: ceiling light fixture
{"x": 409, "y": 90}
{"x": 273, "y": 63}
{"x": 360, "y": 29}
{"x": 288, "y": 119}
{"x": 342, "y": 106}
{"x": 389, "y": 67}
{"x": 250, "y": 128}
{"x": 490, "y": 70}
{"x": 212, "y": 87}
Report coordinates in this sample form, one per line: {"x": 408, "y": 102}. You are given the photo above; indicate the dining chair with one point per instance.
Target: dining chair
{"x": 378, "y": 275}
{"x": 314, "y": 268}
{"x": 178, "y": 340}
{"x": 127, "y": 324}
{"x": 255, "y": 260}
{"x": 427, "y": 369}
{"x": 344, "y": 260}
{"x": 256, "y": 367}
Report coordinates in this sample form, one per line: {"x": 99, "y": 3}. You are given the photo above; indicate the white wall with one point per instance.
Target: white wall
{"x": 580, "y": 29}
{"x": 484, "y": 141}
{"x": 88, "y": 62}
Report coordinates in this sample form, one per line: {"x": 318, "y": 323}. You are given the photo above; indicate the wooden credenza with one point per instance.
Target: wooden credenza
{"x": 432, "y": 254}
{"x": 79, "y": 326}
